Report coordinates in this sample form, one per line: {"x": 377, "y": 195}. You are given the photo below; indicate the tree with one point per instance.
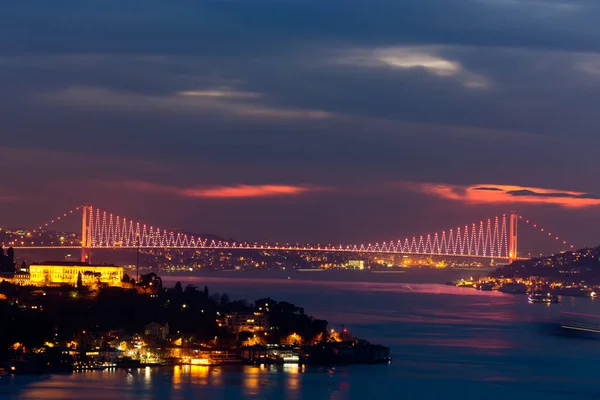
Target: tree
{"x": 191, "y": 289}
{"x": 178, "y": 288}
{"x": 150, "y": 280}
{"x": 10, "y": 253}
{"x": 215, "y": 297}
{"x": 126, "y": 278}
{"x": 244, "y": 336}
{"x": 7, "y": 262}
{"x": 157, "y": 281}
{"x": 79, "y": 281}
{"x": 206, "y": 291}
{"x": 224, "y": 298}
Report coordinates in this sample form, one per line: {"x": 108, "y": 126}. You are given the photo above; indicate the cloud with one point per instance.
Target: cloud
{"x": 426, "y": 58}
{"x": 219, "y": 93}
{"x": 246, "y": 191}
{"x": 183, "y": 101}
{"x": 231, "y": 192}
{"x": 8, "y": 198}
{"x": 507, "y": 194}
{"x": 557, "y": 6}
{"x": 493, "y": 189}
{"x": 587, "y": 63}
{"x": 406, "y": 58}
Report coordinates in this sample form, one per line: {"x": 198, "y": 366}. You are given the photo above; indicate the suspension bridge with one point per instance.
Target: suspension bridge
{"x": 495, "y": 237}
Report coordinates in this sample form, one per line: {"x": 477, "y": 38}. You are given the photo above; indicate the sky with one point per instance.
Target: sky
{"x": 303, "y": 120}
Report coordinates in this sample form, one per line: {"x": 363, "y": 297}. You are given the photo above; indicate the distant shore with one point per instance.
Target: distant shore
{"x": 405, "y": 275}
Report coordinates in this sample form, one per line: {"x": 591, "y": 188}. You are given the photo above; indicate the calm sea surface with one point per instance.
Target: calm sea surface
{"x": 446, "y": 342}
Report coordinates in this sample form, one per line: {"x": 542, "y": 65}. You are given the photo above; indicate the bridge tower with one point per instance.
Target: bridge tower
{"x": 86, "y": 217}
{"x": 512, "y": 237}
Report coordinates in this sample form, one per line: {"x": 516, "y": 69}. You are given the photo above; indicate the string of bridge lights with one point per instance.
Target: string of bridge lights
{"x": 546, "y": 232}
{"x": 56, "y": 219}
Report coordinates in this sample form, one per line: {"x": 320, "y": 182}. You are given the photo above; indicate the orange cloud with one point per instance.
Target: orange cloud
{"x": 489, "y": 193}
{"x": 247, "y": 191}
{"x": 234, "y": 191}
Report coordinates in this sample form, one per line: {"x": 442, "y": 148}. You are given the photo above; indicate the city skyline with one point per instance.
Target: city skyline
{"x": 290, "y": 122}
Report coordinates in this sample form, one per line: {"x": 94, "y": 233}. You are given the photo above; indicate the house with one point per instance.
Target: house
{"x": 247, "y": 322}
{"x": 157, "y": 330}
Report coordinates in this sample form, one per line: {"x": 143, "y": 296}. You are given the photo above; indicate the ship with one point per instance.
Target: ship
{"x": 345, "y": 353}
{"x": 462, "y": 283}
{"x": 486, "y": 286}
{"x": 542, "y": 297}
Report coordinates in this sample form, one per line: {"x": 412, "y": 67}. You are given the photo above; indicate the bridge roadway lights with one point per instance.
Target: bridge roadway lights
{"x": 130, "y": 247}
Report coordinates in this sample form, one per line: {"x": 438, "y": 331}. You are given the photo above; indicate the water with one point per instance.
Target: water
{"x": 445, "y": 341}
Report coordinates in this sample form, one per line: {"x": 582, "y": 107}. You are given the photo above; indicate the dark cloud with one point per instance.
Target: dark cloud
{"x": 533, "y": 193}
{"x": 552, "y": 194}
{"x": 588, "y": 196}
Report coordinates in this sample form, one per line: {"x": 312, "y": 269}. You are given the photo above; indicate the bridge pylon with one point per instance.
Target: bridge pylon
{"x": 86, "y": 218}
{"x": 512, "y": 237}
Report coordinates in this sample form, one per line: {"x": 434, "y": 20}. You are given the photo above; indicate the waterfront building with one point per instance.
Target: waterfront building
{"x": 273, "y": 352}
{"x": 246, "y": 322}
{"x": 356, "y": 264}
{"x": 49, "y": 273}
{"x": 20, "y": 278}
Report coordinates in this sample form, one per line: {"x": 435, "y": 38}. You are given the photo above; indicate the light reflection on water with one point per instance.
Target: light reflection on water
{"x": 251, "y": 380}
{"x": 442, "y": 338}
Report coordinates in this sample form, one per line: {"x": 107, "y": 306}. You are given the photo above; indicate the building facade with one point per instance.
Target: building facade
{"x": 247, "y": 322}
{"x": 356, "y": 264}
{"x": 157, "y": 330}
{"x": 68, "y": 273}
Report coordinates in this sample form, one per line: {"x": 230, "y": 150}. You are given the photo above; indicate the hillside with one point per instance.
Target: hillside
{"x": 580, "y": 265}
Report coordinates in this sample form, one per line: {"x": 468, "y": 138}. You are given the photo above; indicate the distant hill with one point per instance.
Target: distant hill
{"x": 580, "y": 265}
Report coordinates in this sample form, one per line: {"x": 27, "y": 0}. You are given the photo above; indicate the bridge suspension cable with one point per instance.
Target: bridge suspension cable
{"x": 487, "y": 238}
{"x": 546, "y": 232}
{"x": 491, "y": 238}
{"x": 56, "y": 219}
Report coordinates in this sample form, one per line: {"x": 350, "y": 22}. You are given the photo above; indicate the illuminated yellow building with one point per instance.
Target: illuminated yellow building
{"x": 68, "y": 273}
{"x": 356, "y": 264}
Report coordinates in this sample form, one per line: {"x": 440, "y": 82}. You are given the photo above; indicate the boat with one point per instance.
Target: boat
{"x": 88, "y": 366}
{"x": 201, "y": 362}
{"x": 345, "y": 353}
{"x": 462, "y": 283}
{"x": 487, "y": 286}
{"x": 542, "y": 297}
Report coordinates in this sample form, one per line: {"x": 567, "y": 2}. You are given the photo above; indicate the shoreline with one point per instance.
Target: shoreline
{"x": 224, "y": 367}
